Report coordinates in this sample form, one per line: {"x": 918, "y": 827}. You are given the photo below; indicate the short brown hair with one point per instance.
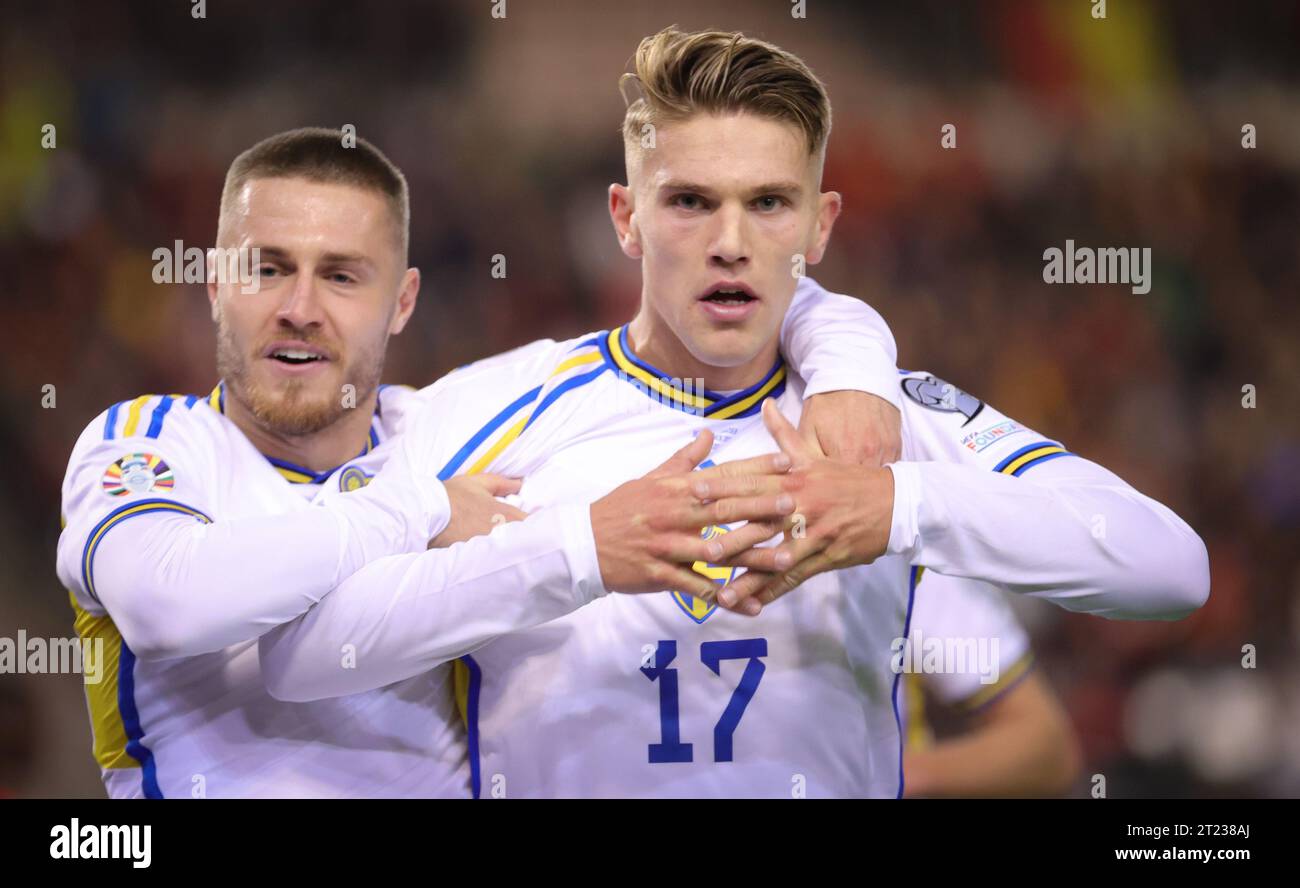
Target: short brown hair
{"x": 719, "y": 72}
{"x": 318, "y": 155}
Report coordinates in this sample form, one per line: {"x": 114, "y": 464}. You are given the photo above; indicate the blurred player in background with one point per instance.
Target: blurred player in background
{"x": 196, "y": 523}
{"x": 1012, "y": 737}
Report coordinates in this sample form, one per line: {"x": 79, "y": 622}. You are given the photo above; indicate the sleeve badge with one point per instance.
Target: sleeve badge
{"x": 935, "y": 394}
{"x": 137, "y": 473}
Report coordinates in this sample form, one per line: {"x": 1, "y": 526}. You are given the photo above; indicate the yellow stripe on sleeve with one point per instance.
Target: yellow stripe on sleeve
{"x": 460, "y": 682}
{"x": 133, "y": 415}
{"x": 116, "y": 518}
{"x": 919, "y": 733}
{"x": 482, "y": 463}
{"x": 589, "y": 358}
{"x": 1009, "y": 677}
{"x": 504, "y": 441}
{"x": 107, "y": 729}
{"x": 1011, "y": 468}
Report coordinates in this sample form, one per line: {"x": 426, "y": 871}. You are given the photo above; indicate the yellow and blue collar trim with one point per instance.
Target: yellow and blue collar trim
{"x": 292, "y": 473}
{"x": 661, "y": 387}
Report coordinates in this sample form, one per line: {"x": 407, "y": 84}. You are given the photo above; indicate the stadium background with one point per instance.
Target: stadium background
{"x": 1117, "y": 132}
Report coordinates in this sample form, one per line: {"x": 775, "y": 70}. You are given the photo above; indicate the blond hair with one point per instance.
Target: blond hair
{"x": 680, "y": 74}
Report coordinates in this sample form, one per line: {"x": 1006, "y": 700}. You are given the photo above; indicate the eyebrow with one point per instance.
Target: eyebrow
{"x": 346, "y": 259}
{"x": 766, "y": 188}
{"x": 281, "y": 253}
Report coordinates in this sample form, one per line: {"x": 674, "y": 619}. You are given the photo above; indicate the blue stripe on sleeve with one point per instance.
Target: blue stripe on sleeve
{"x": 559, "y": 390}
{"x": 492, "y": 425}
{"x": 1021, "y": 452}
{"x": 110, "y": 424}
{"x": 159, "y": 414}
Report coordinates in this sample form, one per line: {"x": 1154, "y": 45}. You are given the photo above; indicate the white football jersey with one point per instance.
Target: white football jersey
{"x": 662, "y": 695}
{"x": 204, "y": 726}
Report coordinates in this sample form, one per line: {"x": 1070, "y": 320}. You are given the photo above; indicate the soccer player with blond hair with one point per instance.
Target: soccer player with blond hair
{"x": 194, "y": 524}
{"x": 669, "y": 694}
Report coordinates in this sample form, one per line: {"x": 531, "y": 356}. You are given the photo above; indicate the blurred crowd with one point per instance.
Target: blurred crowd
{"x": 1122, "y": 132}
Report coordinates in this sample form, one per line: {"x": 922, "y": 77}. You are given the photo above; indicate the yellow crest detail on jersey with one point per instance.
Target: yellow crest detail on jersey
{"x": 697, "y": 610}
{"x": 353, "y": 478}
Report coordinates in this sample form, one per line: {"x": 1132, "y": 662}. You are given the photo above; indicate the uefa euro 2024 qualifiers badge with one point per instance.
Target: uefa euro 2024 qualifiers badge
{"x": 137, "y": 473}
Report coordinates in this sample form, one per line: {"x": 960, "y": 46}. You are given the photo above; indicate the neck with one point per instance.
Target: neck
{"x": 654, "y": 343}
{"x": 319, "y": 451}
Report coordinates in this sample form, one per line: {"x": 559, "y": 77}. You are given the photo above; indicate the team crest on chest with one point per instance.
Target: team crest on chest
{"x": 697, "y": 610}
{"x": 353, "y": 478}
{"x": 138, "y": 473}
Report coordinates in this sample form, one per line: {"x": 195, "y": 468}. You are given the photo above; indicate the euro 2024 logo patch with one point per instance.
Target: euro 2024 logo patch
{"x": 138, "y": 473}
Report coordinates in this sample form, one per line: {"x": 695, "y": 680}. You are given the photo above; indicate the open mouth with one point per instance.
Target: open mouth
{"x": 295, "y": 357}
{"x": 295, "y": 354}
{"x": 728, "y": 296}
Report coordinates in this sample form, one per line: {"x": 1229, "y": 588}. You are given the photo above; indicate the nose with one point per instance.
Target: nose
{"x": 301, "y": 306}
{"x": 730, "y": 247}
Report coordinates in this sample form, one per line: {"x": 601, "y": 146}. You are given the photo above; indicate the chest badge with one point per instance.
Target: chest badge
{"x": 353, "y": 478}
{"x": 697, "y": 610}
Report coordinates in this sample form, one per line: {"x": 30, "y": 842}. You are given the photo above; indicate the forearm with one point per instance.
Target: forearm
{"x": 178, "y": 587}
{"x": 837, "y": 343}
{"x": 401, "y": 616}
{"x": 1012, "y": 758}
{"x": 1078, "y": 537}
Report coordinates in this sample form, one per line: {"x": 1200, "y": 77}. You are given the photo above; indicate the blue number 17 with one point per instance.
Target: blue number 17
{"x": 712, "y": 653}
